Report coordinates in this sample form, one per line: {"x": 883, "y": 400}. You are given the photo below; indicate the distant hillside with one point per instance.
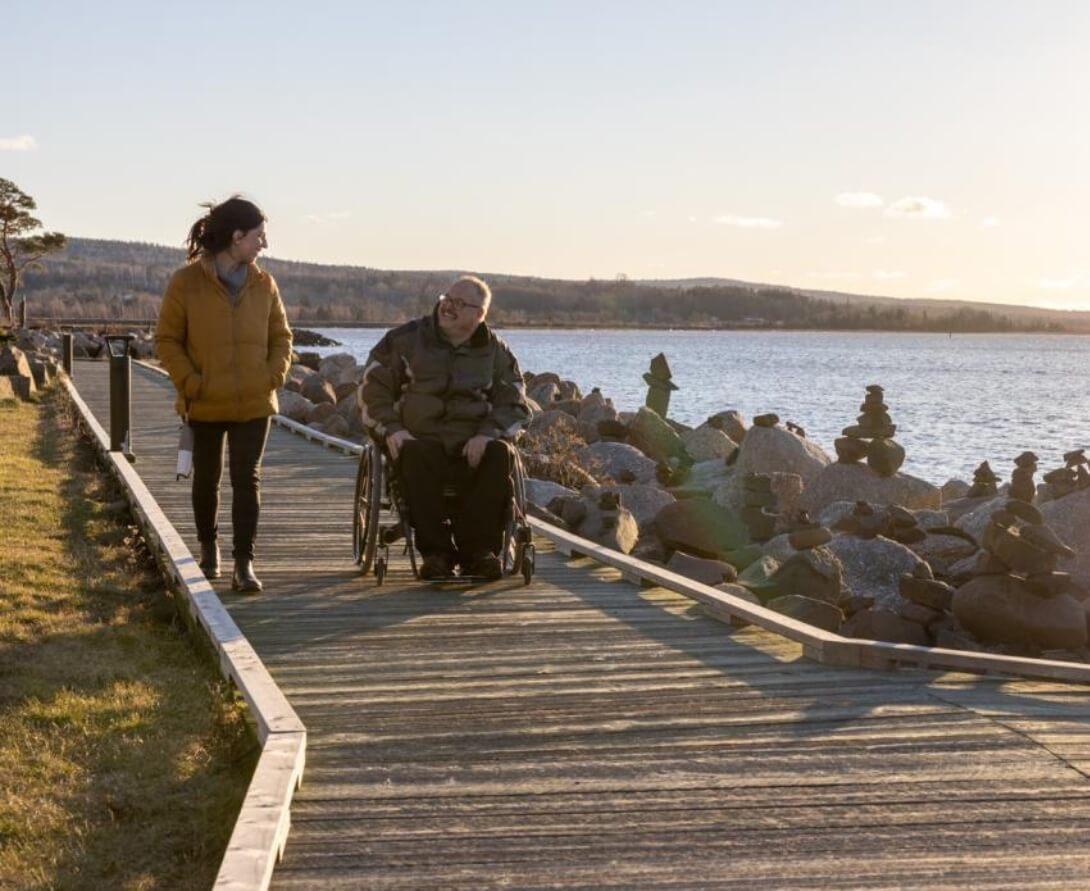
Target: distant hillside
{"x": 114, "y": 279}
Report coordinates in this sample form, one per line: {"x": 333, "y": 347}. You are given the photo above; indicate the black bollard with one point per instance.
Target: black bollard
{"x": 117, "y": 347}
{"x": 67, "y": 351}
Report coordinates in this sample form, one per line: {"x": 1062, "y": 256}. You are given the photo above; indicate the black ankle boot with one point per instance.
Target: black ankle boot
{"x": 244, "y": 579}
{"x": 210, "y": 559}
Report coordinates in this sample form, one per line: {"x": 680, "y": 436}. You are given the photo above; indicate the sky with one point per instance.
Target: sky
{"x": 912, "y": 149}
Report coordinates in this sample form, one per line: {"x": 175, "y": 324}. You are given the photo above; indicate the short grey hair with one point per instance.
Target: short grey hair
{"x": 480, "y": 284}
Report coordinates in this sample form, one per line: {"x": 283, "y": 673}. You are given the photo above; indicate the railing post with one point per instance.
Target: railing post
{"x": 117, "y": 346}
{"x": 67, "y": 352}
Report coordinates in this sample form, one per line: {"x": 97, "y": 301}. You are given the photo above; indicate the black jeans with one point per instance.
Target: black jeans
{"x": 480, "y": 504}
{"x": 245, "y": 446}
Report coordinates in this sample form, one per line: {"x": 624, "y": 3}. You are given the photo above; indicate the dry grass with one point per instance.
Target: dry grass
{"x": 123, "y": 757}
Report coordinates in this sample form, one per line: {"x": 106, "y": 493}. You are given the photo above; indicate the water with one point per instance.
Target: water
{"x": 955, "y": 400}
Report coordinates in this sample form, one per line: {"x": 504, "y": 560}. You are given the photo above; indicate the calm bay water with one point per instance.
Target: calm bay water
{"x": 955, "y": 400}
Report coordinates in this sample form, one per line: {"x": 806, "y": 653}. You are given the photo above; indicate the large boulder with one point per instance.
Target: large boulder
{"x": 815, "y": 573}
{"x": 819, "y": 613}
{"x": 787, "y": 487}
{"x": 594, "y": 409}
{"x": 541, "y": 492}
{"x": 777, "y": 450}
{"x": 317, "y": 389}
{"x": 857, "y": 482}
{"x": 294, "y": 406}
{"x": 656, "y": 438}
{"x": 551, "y": 422}
{"x": 644, "y": 501}
{"x": 701, "y": 569}
{"x": 706, "y": 443}
{"x": 602, "y": 520}
{"x": 617, "y": 461}
{"x": 976, "y": 520}
{"x": 943, "y": 551}
{"x": 876, "y": 623}
{"x": 14, "y": 364}
{"x": 874, "y": 567}
{"x": 953, "y": 489}
{"x": 731, "y": 423}
{"x": 708, "y": 475}
{"x": 1002, "y": 609}
{"x": 1069, "y": 518}
{"x": 331, "y": 367}
{"x": 699, "y": 526}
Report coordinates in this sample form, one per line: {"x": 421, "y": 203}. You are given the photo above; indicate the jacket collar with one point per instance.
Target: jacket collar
{"x": 253, "y": 271}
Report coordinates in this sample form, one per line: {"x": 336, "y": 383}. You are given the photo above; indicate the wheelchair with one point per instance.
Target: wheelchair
{"x": 381, "y": 518}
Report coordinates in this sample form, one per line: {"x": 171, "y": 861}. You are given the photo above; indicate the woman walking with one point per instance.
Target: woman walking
{"x": 224, "y": 338}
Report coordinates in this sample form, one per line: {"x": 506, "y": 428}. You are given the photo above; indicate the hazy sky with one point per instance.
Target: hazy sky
{"x": 924, "y": 149}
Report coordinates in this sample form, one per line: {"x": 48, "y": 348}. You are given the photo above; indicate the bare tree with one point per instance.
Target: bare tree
{"x": 20, "y": 248}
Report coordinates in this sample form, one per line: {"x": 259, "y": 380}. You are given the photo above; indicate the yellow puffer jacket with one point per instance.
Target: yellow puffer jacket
{"x": 226, "y": 361}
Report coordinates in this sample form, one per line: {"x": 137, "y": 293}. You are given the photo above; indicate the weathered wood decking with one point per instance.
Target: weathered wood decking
{"x": 585, "y": 733}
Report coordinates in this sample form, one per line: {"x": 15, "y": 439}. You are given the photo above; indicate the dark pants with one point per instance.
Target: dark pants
{"x": 245, "y": 445}
{"x": 480, "y": 505}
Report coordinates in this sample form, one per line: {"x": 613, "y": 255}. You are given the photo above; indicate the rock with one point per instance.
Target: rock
{"x": 874, "y": 566}
{"x": 656, "y": 438}
{"x": 812, "y": 537}
{"x": 707, "y": 572}
{"x": 786, "y": 489}
{"x": 294, "y": 406}
{"x": 593, "y": 410}
{"x": 569, "y": 406}
{"x": 930, "y": 519}
{"x": 706, "y": 443}
{"x": 780, "y": 548}
{"x": 7, "y": 391}
{"x": 885, "y": 457}
{"x": 335, "y": 425}
{"x": 709, "y": 475}
{"x": 569, "y": 390}
{"x": 882, "y": 624}
{"x": 976, "y": 520}
{"x": 943, "y": 551}
{"x": 1002, "y": 609}
{"x": 541, "y": 492}
{"x": 855, "y": 603}
{"x": 918, "y": 613}
{"x": 332, "y": 367}
{"x": 617, "y": 461}
{"x": 757, "y": 576}
{"x": 700, "y": 527}
{"x": 318, "y": 389}
{"x": 730, "y": 422}
{"x": 775, "y": 450}
{"x": 22, "y": 386}
{"x": 953, "y": 489}
{"x": 850, "y": 451}
{"x": 926, "y": 592}
{"x": 1069, "y": 518}
{"x": 13, "y": 361}
{"x": 320, "y": 412}
{"x": 767, "y": 420}
{"x": 644, "y": 501}
{"x": 310, "y": 360}
{"x": 741, "y": 558}
{"x": 806, "y": 609}
{"x": 551, "y": 422}
{"x": 857, "y": 482}
{"x": 615, "y": 529}
{"x": 543, "y": 393}
{"x": 815, "y": 573}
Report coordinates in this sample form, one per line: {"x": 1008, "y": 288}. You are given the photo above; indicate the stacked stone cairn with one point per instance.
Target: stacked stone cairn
{"x": 1022, "y": 485}
{"x": 659, "y": 385}
{"x": 1072, "y": 477}
{"x": 984, "y": 482}
{"x": 759, "y": 506}
{"x": 894, "y": 522}
{"x": 926, "y": 600}
{"x": 767, "y": 420}
{"x": 872, "y": 437}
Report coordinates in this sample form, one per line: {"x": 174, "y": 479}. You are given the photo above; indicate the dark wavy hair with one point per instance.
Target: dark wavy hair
{"x": 214, "y": 231}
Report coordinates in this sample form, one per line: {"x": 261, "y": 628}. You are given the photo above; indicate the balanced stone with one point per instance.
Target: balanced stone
{"x": 1025, "y": 512}
{"x": 850, "y": 450}
{"x": 885, "y": 457}
{"x": 659, "y": 385}
{"x": 766, "y": 420}
{"x": 984, "y": 482}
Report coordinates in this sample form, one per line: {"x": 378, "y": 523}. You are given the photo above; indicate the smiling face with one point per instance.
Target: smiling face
{"x": 246, "y": 246}
{"x": 461, "y": 310}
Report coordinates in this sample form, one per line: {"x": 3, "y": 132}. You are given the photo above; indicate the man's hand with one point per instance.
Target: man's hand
{"x": 474, "y": 449}
{"x": 395, "y": 440}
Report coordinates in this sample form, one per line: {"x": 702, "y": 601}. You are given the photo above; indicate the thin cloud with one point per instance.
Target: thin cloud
{"x": 941, "y": 285}
{"x": 23, "y": 143}
{"x": 859, "y": 199}
{"x": 730, "y": 219}
{"x": 918, "y": 208}
{"x": 885, "y": 275}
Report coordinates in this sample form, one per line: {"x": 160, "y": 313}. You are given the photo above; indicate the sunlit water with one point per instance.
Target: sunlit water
{"x": 955, "y": 400}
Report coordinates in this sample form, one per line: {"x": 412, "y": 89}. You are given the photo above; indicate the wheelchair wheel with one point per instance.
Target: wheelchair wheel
{"x": 528, "y": 564}
{"x": 365, "y": 519}
{"x": 380, "y": 570}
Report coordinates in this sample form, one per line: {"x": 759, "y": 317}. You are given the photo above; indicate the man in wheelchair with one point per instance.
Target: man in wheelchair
{"x": 443, "y": 392}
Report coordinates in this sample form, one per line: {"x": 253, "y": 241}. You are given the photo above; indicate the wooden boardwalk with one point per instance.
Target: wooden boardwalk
{"x": 583, "y": 732}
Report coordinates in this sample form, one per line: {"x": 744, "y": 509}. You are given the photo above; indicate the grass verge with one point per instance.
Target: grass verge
{"x": 124, "y": 758}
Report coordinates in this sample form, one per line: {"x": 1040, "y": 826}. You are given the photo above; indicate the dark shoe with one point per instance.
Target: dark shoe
{"x": 485, "y": 566}
{"x": 244, "y": 579}
{"x": 436, "y": 566}
{"x": 210, "y": 559}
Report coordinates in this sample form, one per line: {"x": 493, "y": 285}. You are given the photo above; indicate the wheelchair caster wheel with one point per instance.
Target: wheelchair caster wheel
{"x": 380, "y": 570}
{"x": 528, "y": 565}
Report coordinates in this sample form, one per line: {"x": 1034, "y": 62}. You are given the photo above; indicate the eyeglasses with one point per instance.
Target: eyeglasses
{"x": 458, "y": 303}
